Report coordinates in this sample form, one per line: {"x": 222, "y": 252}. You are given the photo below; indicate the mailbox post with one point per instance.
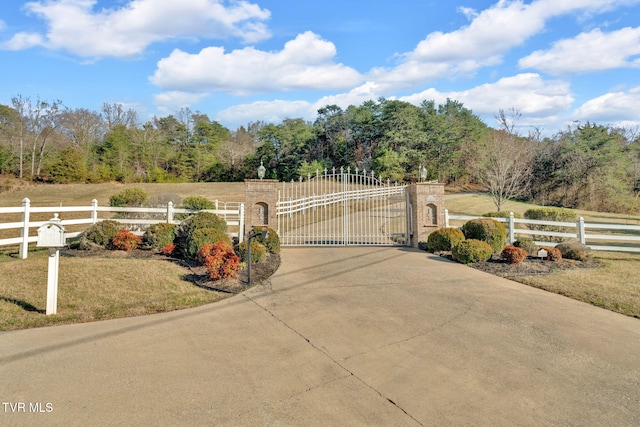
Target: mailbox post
{"x": 51, "y": 235}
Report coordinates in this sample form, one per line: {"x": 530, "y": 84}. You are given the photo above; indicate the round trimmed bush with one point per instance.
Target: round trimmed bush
{"x": 271, "y": 242}
{"x": 471, "y": 250}
{"x": 258, "y": 251}
{"x": 201, "y": 237}
{"x": 513, "y": 254}
{"x": 488, "y": 230}
{"x": 129, "y": 197}
{"x": 195, "y": 222}
{"x": 100, "y": 235}
{"x": 219, "y": 259}
{"x": 553, "y": 254}
{"x": 527, "y": 244}
{"x": 197, "y": 203}
{"x": 125, "y": 240}
{"x": 444, "y": 239}
{"x": 158, "y": 235}
{"x": 574, "y": 250}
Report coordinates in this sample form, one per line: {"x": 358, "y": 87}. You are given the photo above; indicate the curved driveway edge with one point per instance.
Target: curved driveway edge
{"x": 341, "y": 336}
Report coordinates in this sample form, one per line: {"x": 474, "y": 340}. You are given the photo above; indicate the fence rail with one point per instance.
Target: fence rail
{"x": 629, "y": 234}
{"x": 341, "y": 207}
{"x": 292, "y": 205}
{"x": 231, "y": 212}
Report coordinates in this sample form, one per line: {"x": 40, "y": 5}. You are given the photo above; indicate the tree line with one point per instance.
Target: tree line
{"x": 587, "y": 166}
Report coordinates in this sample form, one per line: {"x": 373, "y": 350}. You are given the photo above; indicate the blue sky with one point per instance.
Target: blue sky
{"x": 557, "y": 62}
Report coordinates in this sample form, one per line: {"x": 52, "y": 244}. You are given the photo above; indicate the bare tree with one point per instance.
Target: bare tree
{"x": 39, "y": 121}
{"x": 83, "y": 130}
{"x": 115, "y": 114}
{"x": 237, "y": 147}
{"x": 508, "y": 120}
{"x": 505, "y": 167}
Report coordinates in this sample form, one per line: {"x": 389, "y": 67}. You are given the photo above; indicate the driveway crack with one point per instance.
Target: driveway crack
{"x": 332, "y": 359}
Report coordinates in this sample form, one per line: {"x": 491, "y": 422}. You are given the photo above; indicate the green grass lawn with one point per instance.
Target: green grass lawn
{"x": 93, "y": 288}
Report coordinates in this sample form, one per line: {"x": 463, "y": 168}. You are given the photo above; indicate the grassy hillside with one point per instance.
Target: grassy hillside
{"x": 82, "y": 194}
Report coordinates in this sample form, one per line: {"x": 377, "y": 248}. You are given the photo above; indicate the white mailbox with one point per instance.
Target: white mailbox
{"x": 51, "y": 234}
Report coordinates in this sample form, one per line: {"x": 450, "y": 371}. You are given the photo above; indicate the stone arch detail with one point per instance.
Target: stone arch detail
{"x": 261, "y": 213}
{"x": 431, "y": 214}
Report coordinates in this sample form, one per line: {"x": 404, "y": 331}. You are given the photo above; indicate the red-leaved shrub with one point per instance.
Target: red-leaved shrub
{"x": 553, "y": 254}
{"x": 513, "y": 254}
{"x": 125, "y": 240}
{"x": 168, "y": 249}
{"x": 219, "y": 259}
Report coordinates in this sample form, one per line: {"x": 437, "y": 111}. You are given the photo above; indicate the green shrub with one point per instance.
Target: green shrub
{"x": 271, "y": 242}
{"x": 220, "y": 260}
{"x": 195, "y": 222}
{"x": 527, "y": 244}
{"x": 125, "y": 240}
{"x": 553, "y": 254}
{"x": 488, "y": 230}
{"x": 444, "y": 239}
{"x": 202, "y": 236}
{"x": 513, "y": 254}
{"x": 501, "y": 214}
{"x": 129, "y": 197}
{"x": 100, "y": 235}
{"x": 258, "y": 251}
{"x": 200, "y": 220}
{"x": 471, "y": 250}
{"x": 158, "y": 235}
{"x": 197, "y": 203}
{"x": 574, "y": 250}
{"x": 550, "y": 214}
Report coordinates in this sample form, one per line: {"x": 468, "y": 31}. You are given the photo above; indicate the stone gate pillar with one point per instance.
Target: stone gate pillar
{"x": 260, "y": 198}
{"x": 427, "y": 210}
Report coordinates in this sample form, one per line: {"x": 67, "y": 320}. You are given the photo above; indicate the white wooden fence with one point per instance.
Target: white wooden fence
{"x": 231, "y": 212}
{"x": 612, "y": 234}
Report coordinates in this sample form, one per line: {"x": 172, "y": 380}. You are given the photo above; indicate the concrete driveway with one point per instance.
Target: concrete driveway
{"x": 341, "y": 336}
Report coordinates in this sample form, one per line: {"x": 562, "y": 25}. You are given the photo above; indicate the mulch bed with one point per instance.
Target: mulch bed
{"x": 529, "y": 267}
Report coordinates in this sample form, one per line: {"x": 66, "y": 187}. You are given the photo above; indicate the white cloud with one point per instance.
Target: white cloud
{"x": 171, "y": 101}
{"x": 268, "y": 111}
{"x": 611, "y": 107}
{"x": 591, "y": 51}
{"x": 539, "y": 101}
{"x": 366, "y": 92}
{"x": 490, "y": 34}
{"x": 22, "y": 41}
{"x": 304, "y": 63}
{"x": 529, "y": 93}
{"x": 75, "y": 26}
{"x": 277, "y": 110}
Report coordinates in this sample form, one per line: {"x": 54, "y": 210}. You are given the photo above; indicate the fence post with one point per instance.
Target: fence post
{"x": 581, "y": 233}
{"x": 169, "y": 212}
{"x": 94, "y": 211}
{"x": 512, "y": 226}
{"x": 24, "y": 245}
{"x": 446, "y": 217}
{"x": 241, "y": 224}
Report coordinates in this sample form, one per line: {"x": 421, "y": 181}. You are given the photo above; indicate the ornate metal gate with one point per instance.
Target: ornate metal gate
{"x": 342, "y": 207}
